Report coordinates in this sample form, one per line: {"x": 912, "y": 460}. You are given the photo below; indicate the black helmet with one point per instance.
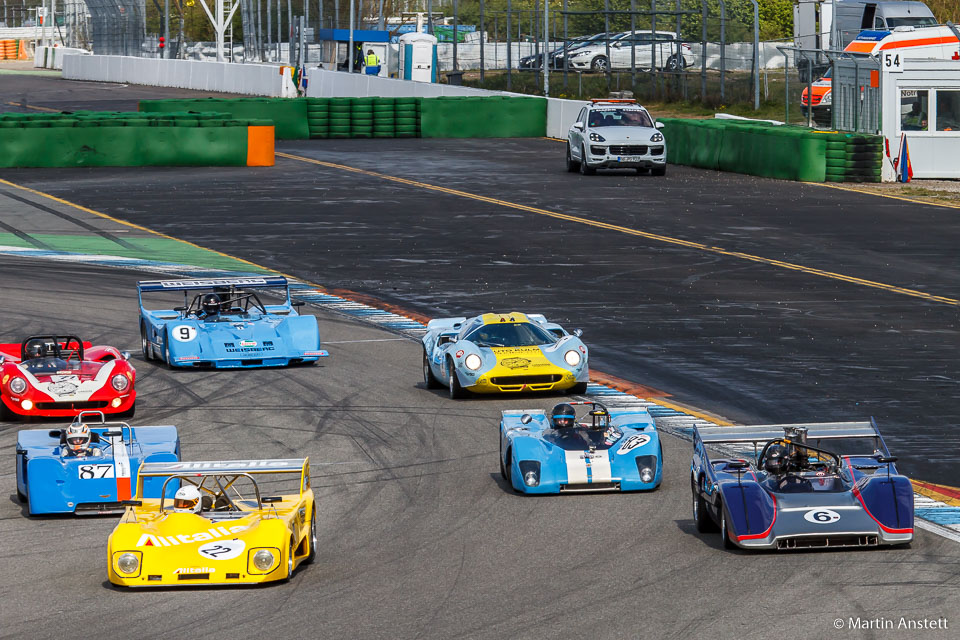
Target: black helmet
{"x": 210, "y": 304}
{"x": 776, "y": 460}
{"x": 35, "y": 350}
{"x": 563, "y": 416}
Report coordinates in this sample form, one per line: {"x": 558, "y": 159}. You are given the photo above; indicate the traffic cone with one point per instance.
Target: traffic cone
{"x": 22, "y": 51}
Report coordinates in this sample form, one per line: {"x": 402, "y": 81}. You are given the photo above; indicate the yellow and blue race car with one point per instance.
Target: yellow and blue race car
{"x": 224, "y": 526}
{"x": 503, "y": 352}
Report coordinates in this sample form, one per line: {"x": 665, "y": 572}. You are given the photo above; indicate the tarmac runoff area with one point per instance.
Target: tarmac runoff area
{"x": 420, "y": 537}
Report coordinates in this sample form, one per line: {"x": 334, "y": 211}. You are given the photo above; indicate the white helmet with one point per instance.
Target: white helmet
{"x": 187, "y": 500}
{"x": 77, "y": 437}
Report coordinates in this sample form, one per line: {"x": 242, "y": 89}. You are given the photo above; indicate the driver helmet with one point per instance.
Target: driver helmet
{"x": 187, "y": 500}
{"x": 210, "y": 304}
{"x": 77, "y": 437}
{"x": 776, "y": 461}
{"x": 35, "y": 350}
{"x": 563, "y": 416}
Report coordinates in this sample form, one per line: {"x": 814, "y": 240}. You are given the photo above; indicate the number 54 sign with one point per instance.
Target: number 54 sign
{"x": 892, "y": 61}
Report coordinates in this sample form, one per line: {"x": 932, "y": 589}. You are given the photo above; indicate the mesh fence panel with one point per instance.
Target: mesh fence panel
{"x": 117, "y": 26}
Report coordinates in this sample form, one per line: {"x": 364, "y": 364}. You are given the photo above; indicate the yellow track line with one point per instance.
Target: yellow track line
{"x": 840, "y": 187}
{"x": 636, "y": 232}
{"x": 949, "y": 205}
{"x": 30, "y": 106}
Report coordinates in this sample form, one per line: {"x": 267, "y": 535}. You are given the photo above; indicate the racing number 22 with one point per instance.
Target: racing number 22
{"x": 215, "y": 551}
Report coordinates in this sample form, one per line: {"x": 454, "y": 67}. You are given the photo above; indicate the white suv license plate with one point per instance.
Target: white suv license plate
{"x": 628, "y": 158}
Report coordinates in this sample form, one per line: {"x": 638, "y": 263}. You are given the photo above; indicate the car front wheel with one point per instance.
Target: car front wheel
{"x": 585, "y": 169}
{"x": 428, "y": 377}
{"x": 724, "y": 533}
{"x": 599, "y": 64}
{"x": 453, "y": 383}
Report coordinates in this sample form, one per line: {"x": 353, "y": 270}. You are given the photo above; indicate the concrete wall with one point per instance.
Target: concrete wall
{"x": 561, "y": 114}
{"x": 337, "y": 84}
{"x": 52, "y": 57}
{"x": 248, "y": 79}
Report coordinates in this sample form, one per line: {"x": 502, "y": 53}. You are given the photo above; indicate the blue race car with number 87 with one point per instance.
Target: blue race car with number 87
{"x": 227, "y": 326}
{"x": 604, "y": 450}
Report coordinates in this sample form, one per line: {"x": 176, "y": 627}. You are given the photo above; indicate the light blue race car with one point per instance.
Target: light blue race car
{"x": 96, "y": 479}
{"x": 227, "y": 326}
{"x": 503, "y": 353}
{"x": 603, "y": 450}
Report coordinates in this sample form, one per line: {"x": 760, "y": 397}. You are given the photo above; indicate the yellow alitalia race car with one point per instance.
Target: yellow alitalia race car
{"x": 503, "y": 352}
{"x": 217, "y": 523}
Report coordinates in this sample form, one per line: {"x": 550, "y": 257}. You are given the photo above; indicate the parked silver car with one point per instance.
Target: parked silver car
{"x": 649, "y": 49}
{"x": 616, "y": 134}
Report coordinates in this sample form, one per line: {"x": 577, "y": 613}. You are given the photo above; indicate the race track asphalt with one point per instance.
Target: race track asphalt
{"x": 419, "y": 537}
{"x": 679, "y": 282}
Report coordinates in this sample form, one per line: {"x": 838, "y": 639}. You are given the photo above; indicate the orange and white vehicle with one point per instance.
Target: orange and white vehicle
{"x": 938, "y": 43}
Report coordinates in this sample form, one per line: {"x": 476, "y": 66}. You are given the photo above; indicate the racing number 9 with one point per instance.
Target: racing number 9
{"x": 183, "y": 333}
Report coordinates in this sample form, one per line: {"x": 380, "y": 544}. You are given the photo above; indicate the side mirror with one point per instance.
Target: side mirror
{"x": 578, "y": 332}
{"x": 616, "y": 45}
{"x": 738, "y": 465}
{"x": 886, "y": 459}
{"x": 180, "y": 309}
{"x": 659, "y": 125}
{"x": 526, "y": 418}
{"x": 297, "y": 303}
{"x": 114, "y": 433}
{"x": 21, "y": 452}
{"x": 578, "y": 126}
{"x": 125, "y": 355}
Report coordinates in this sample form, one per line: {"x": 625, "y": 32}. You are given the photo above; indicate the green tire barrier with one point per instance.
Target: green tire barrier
{"x": 772, "y": 151}
{"x": 86, "y": 139}
{"x": 289, "y": 115}
{"x": 483, "y": 117}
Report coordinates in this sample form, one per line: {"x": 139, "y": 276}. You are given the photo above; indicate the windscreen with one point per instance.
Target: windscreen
{"x": 619, "y": 118}
{"x": 511, "y": 334}
{"x": 923, "y": 21}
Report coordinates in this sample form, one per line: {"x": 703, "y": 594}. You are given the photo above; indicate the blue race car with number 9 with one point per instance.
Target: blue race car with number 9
{"x": 603, "y": 450}
{"x": 227, "y": 326}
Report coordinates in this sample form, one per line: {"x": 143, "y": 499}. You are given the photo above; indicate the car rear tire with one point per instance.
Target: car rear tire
{"x": 724, "y": 533}
{"x": 585, "y": 169}
{"x": 700, "y": 516}
{"x": 673, "y": 63}
{"x": 659, "y": 171}
{"x": 312, "y": 537}
{"x": 145, "y": 345}
{"x": 599, "y": 64}
{"x": 428, "y": 377}
{"x": 572, "y": 165}
{"x": 453, "y": 383}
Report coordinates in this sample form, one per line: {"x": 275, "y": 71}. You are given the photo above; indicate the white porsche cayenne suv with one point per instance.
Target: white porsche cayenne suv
{"x": 616, "y": 134}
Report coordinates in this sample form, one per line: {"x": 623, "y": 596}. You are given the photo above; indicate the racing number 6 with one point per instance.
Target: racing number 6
{"x": 821, "y": 516}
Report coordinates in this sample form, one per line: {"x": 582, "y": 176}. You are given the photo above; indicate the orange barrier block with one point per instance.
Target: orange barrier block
{"x": 260, "y": 147}
{"x": 8, "y": 49}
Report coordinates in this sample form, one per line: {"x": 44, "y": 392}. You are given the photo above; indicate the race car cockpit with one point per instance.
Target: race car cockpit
{"x": 792, "y": 466}
{"x": 41, "y": 354}
{"x": 592, "y": 431}
{"x": 225, "y": 301}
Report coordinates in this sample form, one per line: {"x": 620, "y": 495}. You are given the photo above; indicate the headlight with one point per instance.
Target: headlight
{"x": 531, "y": 472}
{"x": 647, "y": 468}
{"x": 657, "y": 137}
{"x": 263, "y": 559}
{"x": 596, "y": 137}
{"x": 17, "y": 385}
{"x": 473, "y": 362}
{"x": 646, "y": 475}
{"x": 119, "y": 382}
{"x": 827, "y": 98}
{"x": 572, "y": 357}
{"x": 580, "y": 54}
{"x": 128, "y": 563}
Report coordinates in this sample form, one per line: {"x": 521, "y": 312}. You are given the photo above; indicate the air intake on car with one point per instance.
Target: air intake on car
{"x": 193, "y": 576}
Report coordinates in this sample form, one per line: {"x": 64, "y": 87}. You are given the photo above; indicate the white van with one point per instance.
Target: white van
{"x": 855, "y": 16}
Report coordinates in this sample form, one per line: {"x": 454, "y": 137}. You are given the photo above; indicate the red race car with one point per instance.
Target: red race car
{"x": 59, "y": 376}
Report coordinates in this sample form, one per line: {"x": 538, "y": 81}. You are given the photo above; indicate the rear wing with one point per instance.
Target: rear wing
{"x": 767, "y": 432}
{"x": 199, "y": 468}
{"x": 209, "y": 283}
